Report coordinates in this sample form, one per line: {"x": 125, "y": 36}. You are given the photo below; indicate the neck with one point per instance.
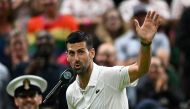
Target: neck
{"x": 84, "y": 78}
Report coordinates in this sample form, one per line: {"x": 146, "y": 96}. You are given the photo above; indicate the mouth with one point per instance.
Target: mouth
{"x": 77, "y": 66}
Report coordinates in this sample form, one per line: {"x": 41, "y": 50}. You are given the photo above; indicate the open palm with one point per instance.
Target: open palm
{"x": 147, "y": 31}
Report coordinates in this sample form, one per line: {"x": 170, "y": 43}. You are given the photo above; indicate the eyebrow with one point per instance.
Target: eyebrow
{"x": 76, "y": 50}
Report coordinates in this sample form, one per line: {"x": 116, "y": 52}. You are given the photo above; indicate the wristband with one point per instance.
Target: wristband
{"x": 146, "y": 44}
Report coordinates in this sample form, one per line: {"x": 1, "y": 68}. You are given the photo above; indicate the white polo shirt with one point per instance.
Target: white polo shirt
{"x": 106, "y": 89}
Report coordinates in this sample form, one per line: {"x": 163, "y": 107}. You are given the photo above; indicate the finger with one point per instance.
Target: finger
{"x": 148, "y": 14}
{"x": 137, "y": 26}
{"x": 156, "y": 17}
{"x": 152, "y": 14}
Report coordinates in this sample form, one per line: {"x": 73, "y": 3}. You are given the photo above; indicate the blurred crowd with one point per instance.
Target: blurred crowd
{"x": 32, "y": 41}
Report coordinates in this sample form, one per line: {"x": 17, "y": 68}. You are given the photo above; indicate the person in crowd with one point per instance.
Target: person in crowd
{"x": 106, "y": 55}
{"x": 58, "y": 25}
{"x": 112, "y": 26}
{"x": 6, "y": 21}
{"x": 27, "y": 91}
{"x": 17, "y": 53}
{"x": 182, "y": 36}
{"x": 127, "y": 45}
{"x": 5, "y": 101}
{"x": 87, "y": 12}
{"x": 44, "y": 65}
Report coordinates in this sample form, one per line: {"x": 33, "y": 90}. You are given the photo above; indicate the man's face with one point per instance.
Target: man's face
{"x": 45, "y": 46}
{"x": 4, "y": 8}
{"x": 28, "y": 102}
{"x": 79, "y": 56}
{"x": 19, "y": 46}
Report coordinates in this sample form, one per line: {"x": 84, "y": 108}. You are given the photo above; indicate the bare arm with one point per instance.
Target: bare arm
{"x": 146, "y": 34}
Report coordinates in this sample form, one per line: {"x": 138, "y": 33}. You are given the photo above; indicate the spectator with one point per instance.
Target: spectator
{"x": 159, "y": 6}
{"x": 127, "y": 46}
{"x": 112, "y": 26}
{"x": 86, "y": 11}
{"x": 177, "y": 8}
{"x": 27, "y": 91}
{"x": 5, "y": 101}
{"x": 6, "y": 21}
{"x": 58, "y": 25}
{"x": 155, "y": 86}
{"x": 106, "y": 55}
{"x": 183, "y": 42}
{"x": 18, "y": 58}
{"x": 44, "y": 65}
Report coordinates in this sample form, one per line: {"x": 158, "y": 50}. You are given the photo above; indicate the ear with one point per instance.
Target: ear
{"x": 16, "y": 100}
{"x": 67, "y": 56}
{"x": 39, "y": 99}
{"x": 92, "y": 53}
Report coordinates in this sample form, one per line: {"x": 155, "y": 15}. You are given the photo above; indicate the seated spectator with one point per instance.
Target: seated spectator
{"x": 6, "y": 21}
{"x": 111, "y": 27}
{"x": 44, "y": 65}
{"x": 160, "y": 6}
{"x": 5, "y": 101}
{"x": 87, "y": 12}
{"x": 17, "y": 52}
{"x": 106, "y": 55}
{"x": 127, "y": 45}
{"x": 60, "y": 26}
{"x": 155, "y": 86}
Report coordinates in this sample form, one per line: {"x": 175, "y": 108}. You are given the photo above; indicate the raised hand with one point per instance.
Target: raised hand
{"x": 147, "y": 31}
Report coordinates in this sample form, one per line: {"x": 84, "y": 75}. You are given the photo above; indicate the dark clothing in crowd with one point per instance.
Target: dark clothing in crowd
{"x": 167, "y": 98}
{"x": 183, "y": 39}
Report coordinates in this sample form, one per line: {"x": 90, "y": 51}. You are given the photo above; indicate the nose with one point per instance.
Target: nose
{"x": 76, "y": 57}
{"x": 28, "y": 98}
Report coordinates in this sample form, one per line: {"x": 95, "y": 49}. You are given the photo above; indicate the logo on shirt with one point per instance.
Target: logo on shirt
{"x": 97, "y": 91}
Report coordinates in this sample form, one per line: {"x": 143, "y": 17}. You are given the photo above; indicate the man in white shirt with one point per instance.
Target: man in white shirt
{"x": 99, "y": 87}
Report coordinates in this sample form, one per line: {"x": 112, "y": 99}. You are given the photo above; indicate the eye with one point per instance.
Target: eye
{"x": 71, "y": 53}
{"x": 81, "y": 52}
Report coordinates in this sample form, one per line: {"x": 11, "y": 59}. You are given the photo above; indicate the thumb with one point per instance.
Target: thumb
{"x": 137, "y": 26}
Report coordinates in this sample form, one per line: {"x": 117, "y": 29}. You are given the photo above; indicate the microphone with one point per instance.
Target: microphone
{"x": 66, "y": 77}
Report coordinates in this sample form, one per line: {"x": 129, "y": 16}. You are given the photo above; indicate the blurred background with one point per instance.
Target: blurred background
{"x": 32, "y": 41}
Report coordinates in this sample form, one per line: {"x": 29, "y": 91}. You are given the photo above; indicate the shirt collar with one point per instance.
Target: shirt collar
{"x": 94, "y": 76}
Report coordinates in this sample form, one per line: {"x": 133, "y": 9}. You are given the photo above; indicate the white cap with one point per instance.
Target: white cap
{"x": 19, "y": 81}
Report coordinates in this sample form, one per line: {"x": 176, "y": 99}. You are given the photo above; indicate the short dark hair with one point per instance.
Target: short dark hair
{"x": 80, "y": 36}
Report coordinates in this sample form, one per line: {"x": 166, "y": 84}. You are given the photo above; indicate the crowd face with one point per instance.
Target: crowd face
{"x": 155, "y": 68}
{"x": 4, "y": 8}
{"x": 106, "y": 55}
{"x": 28, "y": 102}
{"x": 80, "y": 57}
{"x": 113, "y": 21}
{"x": 19, "y": 46}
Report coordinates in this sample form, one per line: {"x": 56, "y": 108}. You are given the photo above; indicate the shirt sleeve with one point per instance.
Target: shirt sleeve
{"x": 118, "y": 77}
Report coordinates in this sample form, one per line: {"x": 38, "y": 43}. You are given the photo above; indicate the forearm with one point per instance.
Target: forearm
{"x": 144, "y": 59}
{"x": 143, "y": 62}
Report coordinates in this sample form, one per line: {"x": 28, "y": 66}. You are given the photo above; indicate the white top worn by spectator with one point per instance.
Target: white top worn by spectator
{"x": 86, "y": 8}
{"x": 177, "y": 8}
{"x": 128, "y": 45}
{"x": 106, "y": 89}
{"x": 5, "y": 102}
{"x": 160, "y": 6}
